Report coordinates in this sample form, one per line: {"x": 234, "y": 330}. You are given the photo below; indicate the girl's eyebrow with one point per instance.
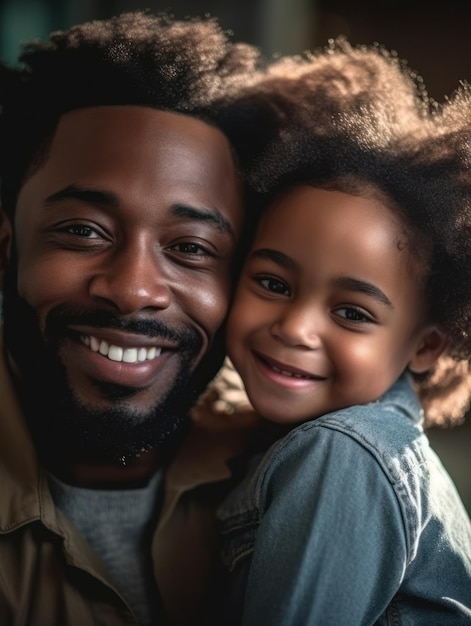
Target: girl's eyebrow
{"x": 274, "y": 255}
{"x": 343, "y": 282}
{"x": 354, "y": 284}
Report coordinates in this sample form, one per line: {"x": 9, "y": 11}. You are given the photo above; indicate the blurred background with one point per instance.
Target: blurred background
{"x": 435, "y": 38}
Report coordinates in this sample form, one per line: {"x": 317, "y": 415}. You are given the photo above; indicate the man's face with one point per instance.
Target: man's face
{"x": 124, "y": 242}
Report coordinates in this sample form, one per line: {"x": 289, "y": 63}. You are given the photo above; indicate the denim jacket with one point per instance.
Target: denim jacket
{"x": 349, "y": 520}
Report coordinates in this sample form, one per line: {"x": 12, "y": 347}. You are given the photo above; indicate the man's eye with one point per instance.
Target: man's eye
{"x": 190, "y": 248}
{"x": 274, "y": 285}
{"x": 81, "y": 230}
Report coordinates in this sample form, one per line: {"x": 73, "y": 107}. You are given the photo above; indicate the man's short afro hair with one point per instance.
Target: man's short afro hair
{"x": 136, "y": 58}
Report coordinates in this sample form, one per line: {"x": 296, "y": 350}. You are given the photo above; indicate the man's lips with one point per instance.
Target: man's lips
{"x": 120, "y": 357}
{"x": 125, "y": 354}
{"x": 122, "y": 346}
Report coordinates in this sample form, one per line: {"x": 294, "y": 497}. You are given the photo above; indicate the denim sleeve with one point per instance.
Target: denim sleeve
{"x": 331, "y": 547}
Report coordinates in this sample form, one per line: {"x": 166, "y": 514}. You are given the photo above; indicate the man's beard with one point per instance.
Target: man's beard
{"x": 63, "y": 426}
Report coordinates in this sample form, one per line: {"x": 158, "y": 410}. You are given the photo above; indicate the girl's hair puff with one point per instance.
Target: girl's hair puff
{"x": 359, "y": 120}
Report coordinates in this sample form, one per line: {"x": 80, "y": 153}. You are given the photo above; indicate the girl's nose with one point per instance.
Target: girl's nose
{"x": 298, "y": 326}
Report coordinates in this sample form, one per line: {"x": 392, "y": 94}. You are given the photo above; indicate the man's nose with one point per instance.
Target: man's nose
{"x": 132, "y": 278}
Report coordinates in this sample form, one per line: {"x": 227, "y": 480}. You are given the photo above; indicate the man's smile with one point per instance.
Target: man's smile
{"x": 121, "y": 357}
{"x": 118, "y": 353}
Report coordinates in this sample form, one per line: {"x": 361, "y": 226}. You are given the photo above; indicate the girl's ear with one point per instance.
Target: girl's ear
{"x": 5, "y": 243}
{"x": 431, "y": 344}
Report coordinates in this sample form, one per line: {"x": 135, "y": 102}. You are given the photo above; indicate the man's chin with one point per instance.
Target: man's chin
{"x": 112, "y": 437}
{"x": 120, "y": 427}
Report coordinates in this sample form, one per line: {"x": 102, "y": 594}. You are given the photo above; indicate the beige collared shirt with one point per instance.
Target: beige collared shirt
{"x": 49, "y": 576}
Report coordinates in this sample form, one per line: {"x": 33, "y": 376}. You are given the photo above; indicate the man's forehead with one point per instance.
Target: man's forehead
{"x": 107, "y": 131}
{"x": 143, "y": 155}
{"x": 158, "y": 121}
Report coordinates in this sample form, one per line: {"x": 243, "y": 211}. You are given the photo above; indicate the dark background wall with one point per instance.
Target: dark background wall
{"x": 435, "y": 38}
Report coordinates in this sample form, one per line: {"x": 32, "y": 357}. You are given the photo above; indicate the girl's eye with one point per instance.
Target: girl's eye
{"x": 274, "y": 285}
{"x": 353, "y": 314}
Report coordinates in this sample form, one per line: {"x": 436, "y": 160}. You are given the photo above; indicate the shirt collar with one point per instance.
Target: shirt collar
{"x": 213, "y": 439}
{"x": 20, "y": 494}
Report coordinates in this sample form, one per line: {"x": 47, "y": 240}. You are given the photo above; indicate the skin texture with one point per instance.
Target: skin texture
{"x": 124, "y": 235}
{"x": 330, "y": 308}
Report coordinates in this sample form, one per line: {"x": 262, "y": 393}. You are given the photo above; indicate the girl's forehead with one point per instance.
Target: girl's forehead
{"x": 320, "y": 206}
{"x": 309, "y": 221}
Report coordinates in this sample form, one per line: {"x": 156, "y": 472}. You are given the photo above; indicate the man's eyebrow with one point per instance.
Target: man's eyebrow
{"x": 212, "y": 216}
{"x": 100, "y": 197}
{"x": 97, "y": 197}
{"x": 353, "y": 284}
{"x": 273, "y": 255}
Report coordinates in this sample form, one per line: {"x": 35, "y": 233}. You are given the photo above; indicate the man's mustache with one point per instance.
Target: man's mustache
{"x": 60, "y": 319}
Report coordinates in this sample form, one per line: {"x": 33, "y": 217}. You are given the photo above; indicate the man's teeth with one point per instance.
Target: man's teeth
{"x": 115, "y": 353}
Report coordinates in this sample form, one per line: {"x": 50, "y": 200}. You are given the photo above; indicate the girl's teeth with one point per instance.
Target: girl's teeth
{"x": 125, "y": 355}
{"x": 291, "y": 374}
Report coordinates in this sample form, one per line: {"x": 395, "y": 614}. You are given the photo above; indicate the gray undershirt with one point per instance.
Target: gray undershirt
{"x": 118, "y": 525}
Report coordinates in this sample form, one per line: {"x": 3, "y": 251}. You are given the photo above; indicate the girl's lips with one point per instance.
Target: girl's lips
{"x": 285, "y": 376}
{"x": 286, "y": 370}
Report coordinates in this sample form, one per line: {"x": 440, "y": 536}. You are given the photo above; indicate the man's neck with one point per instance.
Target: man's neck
{"x": 129, "y": 474}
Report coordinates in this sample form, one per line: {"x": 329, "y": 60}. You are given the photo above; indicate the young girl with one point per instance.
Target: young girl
{"x": 356, "y": 290}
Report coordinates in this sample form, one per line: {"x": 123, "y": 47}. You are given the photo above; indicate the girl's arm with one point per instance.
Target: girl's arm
{"x": 331, "y": 547}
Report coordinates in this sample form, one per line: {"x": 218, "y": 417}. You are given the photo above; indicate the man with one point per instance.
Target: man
{"x": 122, "y": 210}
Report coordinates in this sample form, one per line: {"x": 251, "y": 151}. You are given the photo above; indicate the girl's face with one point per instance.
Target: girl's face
{"x": 330, "y": 308}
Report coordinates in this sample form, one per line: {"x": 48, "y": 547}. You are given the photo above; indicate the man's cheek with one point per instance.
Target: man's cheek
{"x": 212, "y": 307}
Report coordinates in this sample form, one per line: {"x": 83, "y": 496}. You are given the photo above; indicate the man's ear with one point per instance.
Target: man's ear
{"x": 5, "y": 243}
{"x": 431, "y": 344}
